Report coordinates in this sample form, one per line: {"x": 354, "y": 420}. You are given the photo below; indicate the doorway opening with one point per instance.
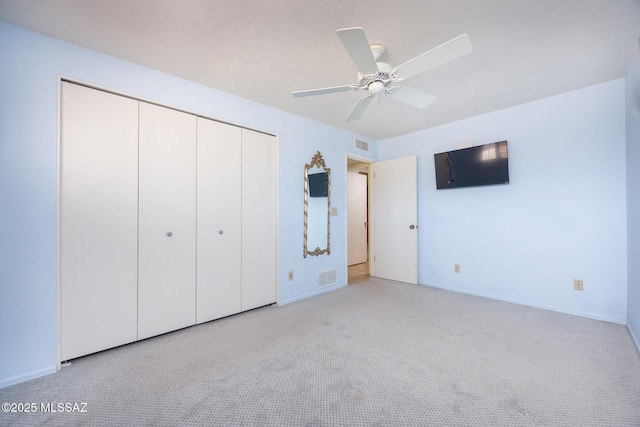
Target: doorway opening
{"x": 358, "y": 248}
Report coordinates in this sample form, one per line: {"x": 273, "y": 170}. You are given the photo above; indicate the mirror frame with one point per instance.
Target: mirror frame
{"x": 317, "y": 160}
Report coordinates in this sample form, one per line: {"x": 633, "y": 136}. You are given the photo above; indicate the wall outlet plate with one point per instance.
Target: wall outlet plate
{"x": 578, "y": 284}
{"x": 456, "y": 268}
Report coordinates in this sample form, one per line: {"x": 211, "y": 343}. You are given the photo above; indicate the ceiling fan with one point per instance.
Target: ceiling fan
{"x": 376, "y": 77}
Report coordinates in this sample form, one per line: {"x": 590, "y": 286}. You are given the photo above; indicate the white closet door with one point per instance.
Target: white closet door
{"x": 219, "y": 276}
{"x": 98, "y": 221}
{"x": 167, "y": 224}
{"x": 258, "y": 219}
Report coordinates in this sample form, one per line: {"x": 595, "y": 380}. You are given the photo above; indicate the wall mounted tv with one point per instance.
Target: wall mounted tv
{"x": 319, "y": 185}
{"x": 469, "y": 167}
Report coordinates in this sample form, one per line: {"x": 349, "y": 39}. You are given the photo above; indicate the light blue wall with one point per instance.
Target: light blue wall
{"x": 30, "y": 68}
{"x": 633, "y": 197}
{"x": 563, "y": 215}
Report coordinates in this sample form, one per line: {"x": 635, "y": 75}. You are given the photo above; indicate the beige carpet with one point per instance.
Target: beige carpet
{"x": 376, "y": 353}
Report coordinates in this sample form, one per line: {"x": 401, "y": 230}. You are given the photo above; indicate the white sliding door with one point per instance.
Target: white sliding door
{"x": 167, "y": 223}
{"x": 166, "y": 220}
{"x": 98, "y": 220}
{"x": 219, "y": 274}
{"x": 258, "y": 219}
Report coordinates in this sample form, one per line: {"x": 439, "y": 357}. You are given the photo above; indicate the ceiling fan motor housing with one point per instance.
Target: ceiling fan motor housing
{"x": 384, "y": 71}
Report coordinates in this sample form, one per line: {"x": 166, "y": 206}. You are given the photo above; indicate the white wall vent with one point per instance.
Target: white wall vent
{"x": 362, "y": 145}
{"x": 327, "y": 278}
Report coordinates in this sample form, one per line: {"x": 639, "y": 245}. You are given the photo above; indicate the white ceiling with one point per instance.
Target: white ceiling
{"x": 264, "y": 50}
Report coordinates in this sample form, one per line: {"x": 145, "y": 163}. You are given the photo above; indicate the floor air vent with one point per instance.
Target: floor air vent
{"x": 327, "y": 278}
{"x": 362, "y": 145}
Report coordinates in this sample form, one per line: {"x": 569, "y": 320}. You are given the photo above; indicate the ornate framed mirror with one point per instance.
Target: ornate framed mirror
{"x": 317, "y": 203}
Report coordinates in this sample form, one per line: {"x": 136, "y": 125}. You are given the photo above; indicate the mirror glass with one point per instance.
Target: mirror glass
{"x": 317, "y": 194}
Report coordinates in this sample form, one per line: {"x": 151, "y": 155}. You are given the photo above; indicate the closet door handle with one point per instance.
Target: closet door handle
{"x": 169, "y": 234}
{"x": 220, "y": 232}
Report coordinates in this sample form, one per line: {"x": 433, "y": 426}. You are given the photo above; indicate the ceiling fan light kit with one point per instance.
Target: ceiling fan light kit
{"x": 376, "y": 87}
{"x": 377, "y": 78}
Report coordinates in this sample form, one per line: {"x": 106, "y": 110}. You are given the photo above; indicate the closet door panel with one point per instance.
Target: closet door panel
{"x": 258, "y": 219}
{"x": 219, "y": 220}
{"x": 167, "y": 223}
{"x": 98, "y": 221}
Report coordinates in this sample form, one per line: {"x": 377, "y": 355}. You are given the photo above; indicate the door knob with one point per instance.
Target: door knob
{"x": 412, "y": 226}
{"x": 220, "y": 231}
{"x": 169, "y": 234}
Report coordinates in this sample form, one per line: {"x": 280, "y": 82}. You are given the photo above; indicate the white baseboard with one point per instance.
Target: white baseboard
{"x": 26, "y": 377}
{"x": 633, "y": 337}
{"x": 529, "y": 304}
{"x": 311, "y": 294}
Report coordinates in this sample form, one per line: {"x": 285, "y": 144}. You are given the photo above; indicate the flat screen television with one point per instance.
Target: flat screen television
{"x": 469, "y": 167}
{"x": 318, "y": 184}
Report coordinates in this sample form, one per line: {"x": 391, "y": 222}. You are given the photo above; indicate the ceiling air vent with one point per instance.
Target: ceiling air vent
{"x": 327, "y": 278}
{"x": 361, "y": 145}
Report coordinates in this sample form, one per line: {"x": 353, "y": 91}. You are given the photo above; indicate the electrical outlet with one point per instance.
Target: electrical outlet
{"x": 290, "y": 275}
{"x": 456, "y": 268}
{"x": 578, "y": 285}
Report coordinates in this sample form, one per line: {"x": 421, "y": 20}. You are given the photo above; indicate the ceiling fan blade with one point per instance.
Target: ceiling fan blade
{"x": 323, "y": 91}
{"x": 357, "y": 45}
{"x": 411, "y": 96}
{"x": 359, "y": 108}
{"x": 446, "y": 52}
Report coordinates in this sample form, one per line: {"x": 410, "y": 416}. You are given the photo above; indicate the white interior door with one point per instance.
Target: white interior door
{"x": 356, "y": 218}
{"x": 258, "y": 219}
{"x": 395, "y": 220}
{"x": 98, "y": 221}
{"x": 219, "y": 276}
{"x": 167, "y": 223}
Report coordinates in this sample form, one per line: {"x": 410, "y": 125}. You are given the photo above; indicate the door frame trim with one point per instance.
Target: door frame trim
{"x": 370, "y": 231}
